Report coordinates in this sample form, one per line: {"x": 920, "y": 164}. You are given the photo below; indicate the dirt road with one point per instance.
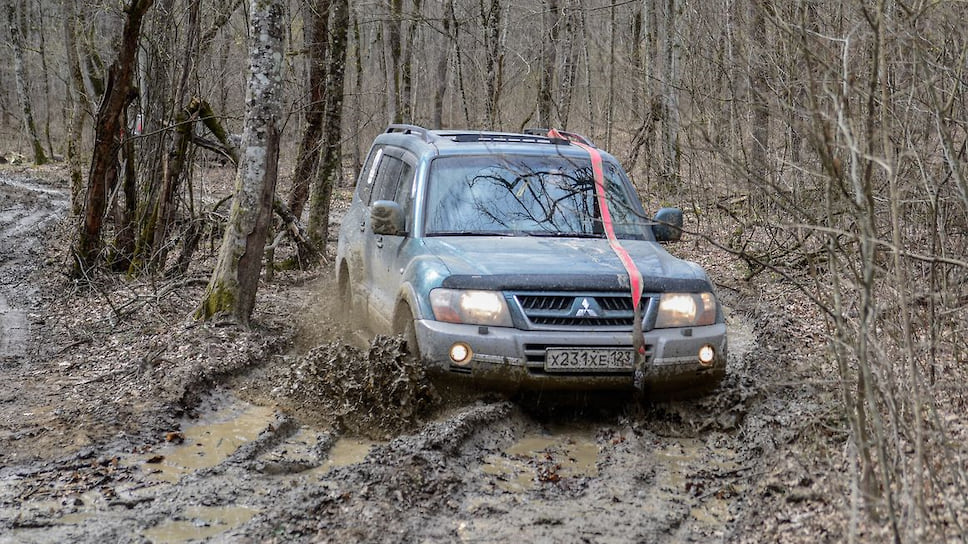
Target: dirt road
{"x": 121, "y": 420}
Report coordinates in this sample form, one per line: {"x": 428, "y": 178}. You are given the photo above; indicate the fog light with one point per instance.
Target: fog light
{"x": 706, "y": 355}
{"x": 460, "y": 353}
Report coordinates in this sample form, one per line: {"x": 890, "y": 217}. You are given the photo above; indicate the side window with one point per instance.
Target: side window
{"x": 387, "y": 178}
{"x": 394, "y": 181}
{"x": 404, "y": 192}
{"x": 368, "y": 175}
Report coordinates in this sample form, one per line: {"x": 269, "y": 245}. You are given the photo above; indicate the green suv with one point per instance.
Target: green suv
{"x": 524, "y": 260}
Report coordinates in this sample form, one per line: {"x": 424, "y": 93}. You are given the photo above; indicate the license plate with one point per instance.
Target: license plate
{"x": 600, "y": 360}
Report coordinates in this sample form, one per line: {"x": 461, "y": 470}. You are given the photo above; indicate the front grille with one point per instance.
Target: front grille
{"x": 578, "y": 310}
{"x": 581, "y": 321}
{"x": 545, "y": 302}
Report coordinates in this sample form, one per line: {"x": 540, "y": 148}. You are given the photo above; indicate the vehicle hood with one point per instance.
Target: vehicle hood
{"x": 537, "y": 257}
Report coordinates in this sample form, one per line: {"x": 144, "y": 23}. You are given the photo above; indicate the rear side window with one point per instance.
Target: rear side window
{"x": 368, "y": 175}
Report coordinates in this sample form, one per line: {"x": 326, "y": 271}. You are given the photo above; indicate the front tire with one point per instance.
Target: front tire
{"x": 403, "y": 324}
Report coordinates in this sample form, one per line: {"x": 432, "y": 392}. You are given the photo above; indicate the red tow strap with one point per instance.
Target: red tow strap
{"x": 635, "y": 277}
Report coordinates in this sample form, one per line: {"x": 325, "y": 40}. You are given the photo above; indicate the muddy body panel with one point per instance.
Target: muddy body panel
{"x": 514, "y": 358}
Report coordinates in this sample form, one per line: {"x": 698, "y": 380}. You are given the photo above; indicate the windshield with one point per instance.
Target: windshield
{"x": 523, "y": 195}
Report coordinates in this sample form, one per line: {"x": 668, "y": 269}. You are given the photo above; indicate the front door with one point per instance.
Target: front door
{"x": 394, "y": 181}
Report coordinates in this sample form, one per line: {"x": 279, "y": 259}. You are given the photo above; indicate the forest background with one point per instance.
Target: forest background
{"x": 820, "y": 142}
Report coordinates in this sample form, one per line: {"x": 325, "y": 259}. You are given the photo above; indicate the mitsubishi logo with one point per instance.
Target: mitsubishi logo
{"x": 585, "y": 310}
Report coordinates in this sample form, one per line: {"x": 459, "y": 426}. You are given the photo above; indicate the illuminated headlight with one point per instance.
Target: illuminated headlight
{"x": 470, "y": 307}
{"x": 461, "y": 353}
{"x": 707, "y": 354}
{"x": 686, "y": 310}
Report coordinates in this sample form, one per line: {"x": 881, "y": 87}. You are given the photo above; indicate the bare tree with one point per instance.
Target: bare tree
{"x": 407, "y": 104}
{"x": 307, "y": 159}
{"x": 107, "y": 128}
{"x": 759, "y": 91}
{"x": 670, "y": 112}
{"x": 393, "y": 53}
{"x": 330, "y": 164}
{"x": 75, "y": 107}
{"x": 493, "y": 60}
{"x": 443, "y": 63}
{"x": 232, "y": 289}
{"x": 546, "y": 79}
{"x": 17, "y": 46}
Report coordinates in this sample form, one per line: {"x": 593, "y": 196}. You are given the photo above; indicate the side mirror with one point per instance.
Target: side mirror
{"x": 386, "y": 217}
{"x": 668, "y": 225}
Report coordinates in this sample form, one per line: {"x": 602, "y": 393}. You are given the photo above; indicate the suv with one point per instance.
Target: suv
{"x": 512, "y": 258}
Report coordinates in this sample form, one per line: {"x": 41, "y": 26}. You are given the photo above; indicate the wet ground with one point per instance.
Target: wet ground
{"x": 205, "y": 433}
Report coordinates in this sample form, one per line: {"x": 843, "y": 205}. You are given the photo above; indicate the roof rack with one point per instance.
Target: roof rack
{"x": 412, "y": 129}
{"x": 529, "y": 136}
{"x": 502, "y": 138}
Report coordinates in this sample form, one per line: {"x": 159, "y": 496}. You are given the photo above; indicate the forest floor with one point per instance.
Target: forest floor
{"x": 122, "y": 419}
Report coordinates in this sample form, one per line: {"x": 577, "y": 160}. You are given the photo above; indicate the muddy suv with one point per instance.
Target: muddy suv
{"x": 516, "y": 259}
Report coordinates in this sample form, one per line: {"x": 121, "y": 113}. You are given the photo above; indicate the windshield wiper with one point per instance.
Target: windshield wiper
{"x": 473, "y": 233}
{"x": 559, "y": 234}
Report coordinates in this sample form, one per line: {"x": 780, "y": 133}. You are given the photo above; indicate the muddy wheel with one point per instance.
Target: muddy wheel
{"x": 345, "y": 293}
{"x": 403, "y": 325}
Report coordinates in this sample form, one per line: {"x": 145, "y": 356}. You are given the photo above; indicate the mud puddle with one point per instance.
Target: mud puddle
{"x": 544, "y": 457}
{"x": 702, "y": 476}
{"x": 199, "y": 522}
{"x": 206, "y": 442}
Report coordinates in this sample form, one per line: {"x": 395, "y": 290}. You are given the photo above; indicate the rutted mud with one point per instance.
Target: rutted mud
{"x": 329, "y": 442}
{"x": 13, "y": 330}
{"x": 26, "y": 209}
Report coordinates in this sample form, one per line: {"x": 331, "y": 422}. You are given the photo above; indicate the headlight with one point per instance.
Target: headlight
{"x": 686, "y": 310}
{"x": 470, "y": 307}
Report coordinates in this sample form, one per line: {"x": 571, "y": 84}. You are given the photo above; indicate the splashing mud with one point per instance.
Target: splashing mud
{"x": 375, "y": 393}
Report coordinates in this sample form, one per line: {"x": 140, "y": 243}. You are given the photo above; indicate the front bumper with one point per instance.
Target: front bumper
{"x": 510, "y": 357}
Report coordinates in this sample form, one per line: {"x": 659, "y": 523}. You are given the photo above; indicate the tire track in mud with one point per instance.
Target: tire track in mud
{"x": 482, "y": 471}
{"x": 671, "y": 471}
{"x": 26, "y": 210}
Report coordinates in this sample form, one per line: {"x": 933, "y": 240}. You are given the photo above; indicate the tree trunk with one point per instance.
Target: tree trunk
{"x": 635, "y": 60}
{"x": 549, "y": 51}
{"x": 42, "y": 50}
{"x": 107, "y": 128}
{"x": 407, "y": 105}
{"x": 357, "y": 107}
{"x": 393, "y": 53}
{"x": 75, "y": 123}
{"x": 566, "y": 80}
{"x": 125, "y": 232}
{"x": 443, "y": 62}
{"x": 307, "y": 159}
{"x": 232, "y": 289}
{"x": 610, "y": 96}
{"x": 758, "y": 167}
{"x": 330, "y": 167}
{"x": 491, "y": 21}
{"x": 670, "y": 92}
{"x": 17, "y": 44}
{"x": 458, "y": 59}
{"x": 175, "y": 160}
